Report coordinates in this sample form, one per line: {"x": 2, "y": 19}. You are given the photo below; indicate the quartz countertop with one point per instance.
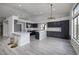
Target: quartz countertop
{"x": 19, "y": 33}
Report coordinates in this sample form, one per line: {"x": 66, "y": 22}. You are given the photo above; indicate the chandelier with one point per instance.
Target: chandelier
{"x": 51, "y": 17}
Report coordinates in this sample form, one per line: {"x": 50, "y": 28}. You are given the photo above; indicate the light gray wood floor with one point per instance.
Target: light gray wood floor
{"x": 48, "y": 46}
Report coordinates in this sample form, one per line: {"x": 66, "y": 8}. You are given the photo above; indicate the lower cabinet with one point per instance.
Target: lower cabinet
{"x": 40, "y": 35}
{"x": 54, "y": 34}
{"x": 37, "y": 35}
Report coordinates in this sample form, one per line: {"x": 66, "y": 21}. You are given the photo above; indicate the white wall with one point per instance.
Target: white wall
{"x": 8, "y": 29}
{"x": 5, "y": 29}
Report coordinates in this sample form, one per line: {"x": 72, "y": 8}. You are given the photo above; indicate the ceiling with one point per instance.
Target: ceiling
{"x": 34, "y": 11}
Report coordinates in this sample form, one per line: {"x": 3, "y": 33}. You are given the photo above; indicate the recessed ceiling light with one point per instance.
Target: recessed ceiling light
{"x": 54, "y": 9}
{"x": 41, "y": 12}
{"x": 19, "y": 5}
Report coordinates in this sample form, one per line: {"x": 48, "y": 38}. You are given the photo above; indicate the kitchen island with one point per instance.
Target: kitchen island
{"x": 22, "y": 38}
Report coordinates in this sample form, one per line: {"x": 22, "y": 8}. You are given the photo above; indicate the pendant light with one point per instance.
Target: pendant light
{"x": 51, "y": 17}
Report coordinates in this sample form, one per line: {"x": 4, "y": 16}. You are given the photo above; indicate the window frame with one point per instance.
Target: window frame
{"x": 75, "y": 7}
{"x": 75, "y": 16}
{"x": 76, "y": 27}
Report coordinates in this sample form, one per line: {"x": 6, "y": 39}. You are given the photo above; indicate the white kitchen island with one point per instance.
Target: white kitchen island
{"x": 23, "y": 38}
{"x": 42, "y": 34}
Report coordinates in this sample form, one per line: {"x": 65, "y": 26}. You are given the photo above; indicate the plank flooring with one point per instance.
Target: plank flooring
{"x": 48, "y": 46}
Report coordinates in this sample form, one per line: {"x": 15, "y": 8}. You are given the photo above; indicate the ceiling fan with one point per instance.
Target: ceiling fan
{"x": 51, "y": 17}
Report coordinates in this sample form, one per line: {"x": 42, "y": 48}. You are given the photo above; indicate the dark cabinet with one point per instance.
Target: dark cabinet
{"x": 32, "y": 25}
{"x": 1, "y": 28}
{"x": 54, "y": 24}
{"x": 53, "y": 34}
{"x": 64, "y": 29}
{"x": 37, "y": 35}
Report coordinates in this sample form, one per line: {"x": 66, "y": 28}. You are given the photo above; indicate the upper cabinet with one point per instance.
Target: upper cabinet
{"x": 31, "y": 25}
{"x": 54, "y": 24}
{"x": 34, "y": 25}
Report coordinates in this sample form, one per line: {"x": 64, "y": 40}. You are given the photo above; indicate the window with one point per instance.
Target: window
{"x": 76, "y": 22}
{"x": 75, "y": 28}
{"x": 76, "y": 9}
{"x": 78, "y": 29}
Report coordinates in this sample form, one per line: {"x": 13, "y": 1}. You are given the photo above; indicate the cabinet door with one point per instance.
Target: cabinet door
{"x": 54, "y": 34}
{"x": 50, "y": 24}
{"x": 65, "y": 29}
{"x": 34, "y": 25}
{"x": 54, "y": 24}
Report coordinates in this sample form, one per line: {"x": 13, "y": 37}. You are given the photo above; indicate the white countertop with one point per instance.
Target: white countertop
{"x": 56, "y": 29}
{"x": 20, "y": 33}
